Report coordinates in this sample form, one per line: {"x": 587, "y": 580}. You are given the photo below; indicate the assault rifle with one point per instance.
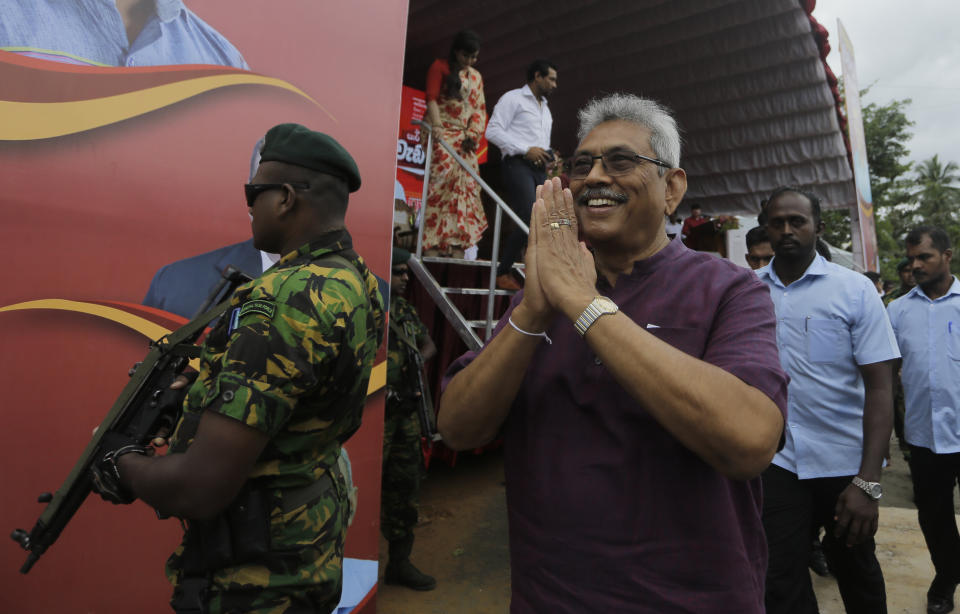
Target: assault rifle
{"x": 145, "y": 406}
{"x": 428, "y": 420}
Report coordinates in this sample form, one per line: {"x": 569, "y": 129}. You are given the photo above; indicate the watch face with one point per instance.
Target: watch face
{"x": 876, "y": 491}
{"x": 606, "y": 304}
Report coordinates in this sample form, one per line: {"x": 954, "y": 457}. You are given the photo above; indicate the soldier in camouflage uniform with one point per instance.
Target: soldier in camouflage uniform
{"x": 402, "y": 454}
{"x": 282, "y": 382}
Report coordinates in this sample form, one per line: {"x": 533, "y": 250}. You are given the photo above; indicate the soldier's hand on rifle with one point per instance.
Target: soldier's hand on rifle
{"x": 181, "y": 383}
{"x": 104, "y": 474}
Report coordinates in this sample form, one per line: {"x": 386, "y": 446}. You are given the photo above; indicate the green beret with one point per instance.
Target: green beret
{"x": 903, "y": 264}
{"x": 400, "y": 256}
{"x": 296, "y": 144}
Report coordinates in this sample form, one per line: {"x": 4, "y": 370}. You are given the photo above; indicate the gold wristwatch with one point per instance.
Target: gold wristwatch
{"x": 599, "y": 306}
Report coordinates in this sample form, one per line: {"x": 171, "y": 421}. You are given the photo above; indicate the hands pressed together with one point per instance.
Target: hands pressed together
{"x": 561, "y": 275}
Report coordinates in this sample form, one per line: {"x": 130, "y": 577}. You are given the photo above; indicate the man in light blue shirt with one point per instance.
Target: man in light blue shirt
{"x": 113, "y": 33}
{"x": 926, "y": 321}
{"x": 837, "y": 345}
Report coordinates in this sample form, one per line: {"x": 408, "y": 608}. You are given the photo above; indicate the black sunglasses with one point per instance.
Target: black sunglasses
{"x": 254, "y": 190}
{"x": 400, "y": 272}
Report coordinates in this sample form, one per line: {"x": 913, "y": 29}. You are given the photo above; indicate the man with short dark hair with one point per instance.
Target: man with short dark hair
{"x": 253, "y": 463}
{"x": 927, "y": 324}
{"x": 905, "y": 273}
{"x": 759, "y": 252}
{"x": 634, "y": 426}
{"x": 520, "y": 126}
{"x": 837, "y": 346}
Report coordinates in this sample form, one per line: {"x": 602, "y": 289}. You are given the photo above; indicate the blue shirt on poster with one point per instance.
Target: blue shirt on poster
{"x": 828, "y": 322}
{"x": 929, "y": 335}
{"x": 92, "y": 32}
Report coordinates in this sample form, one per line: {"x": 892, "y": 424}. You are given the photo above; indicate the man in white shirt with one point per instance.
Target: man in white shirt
{"x": 520, "y": 127}
{"x": 926, "y": 321}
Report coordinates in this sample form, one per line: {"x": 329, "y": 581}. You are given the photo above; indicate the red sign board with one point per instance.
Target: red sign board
{"x": 112, "y": 172}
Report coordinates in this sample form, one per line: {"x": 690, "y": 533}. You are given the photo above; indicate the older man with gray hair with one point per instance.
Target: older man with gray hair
{"x": 633, "y": 442}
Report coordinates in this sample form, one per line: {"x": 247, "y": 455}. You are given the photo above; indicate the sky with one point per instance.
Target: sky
{"x": 905, "y": 49}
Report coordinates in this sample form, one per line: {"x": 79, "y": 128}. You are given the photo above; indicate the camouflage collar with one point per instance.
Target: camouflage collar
{"x": 329, "y": 242}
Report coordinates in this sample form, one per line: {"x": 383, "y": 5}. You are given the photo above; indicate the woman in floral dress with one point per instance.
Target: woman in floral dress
{"x": 453, "y": 217}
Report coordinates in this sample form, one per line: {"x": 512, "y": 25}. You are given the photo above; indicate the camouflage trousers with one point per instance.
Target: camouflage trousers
{"x": 402, "y": 467}
{"x": 303, "y": 571}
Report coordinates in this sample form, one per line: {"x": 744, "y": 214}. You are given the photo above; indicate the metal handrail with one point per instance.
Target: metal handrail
{"x": 502, "y": 207}
{"x": 448, "y": 309}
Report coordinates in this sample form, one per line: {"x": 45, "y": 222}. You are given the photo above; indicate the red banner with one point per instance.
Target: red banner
{"x": 411, "y": 151}
{"x": 112, "y": 172}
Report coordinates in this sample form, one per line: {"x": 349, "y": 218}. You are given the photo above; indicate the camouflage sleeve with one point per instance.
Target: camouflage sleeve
{"x": 290, "y": 336}
{"x": 421, "y": 330}
{"x": 376, "y": 302}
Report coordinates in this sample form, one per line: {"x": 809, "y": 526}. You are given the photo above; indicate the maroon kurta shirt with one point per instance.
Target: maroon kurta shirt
{"x": 609, "y": 512}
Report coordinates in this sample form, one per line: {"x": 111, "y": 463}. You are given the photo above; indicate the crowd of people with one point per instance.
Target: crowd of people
{"x": 677, "y": 429}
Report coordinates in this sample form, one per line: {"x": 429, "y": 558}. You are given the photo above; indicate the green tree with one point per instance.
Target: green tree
{"x": 937, "y": 198}
{"x": 937, "y": 192}
{"x": 887, "y": 130}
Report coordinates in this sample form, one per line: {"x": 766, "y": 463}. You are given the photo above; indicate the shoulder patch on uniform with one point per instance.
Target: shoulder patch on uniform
{"x": 262, "y": 307}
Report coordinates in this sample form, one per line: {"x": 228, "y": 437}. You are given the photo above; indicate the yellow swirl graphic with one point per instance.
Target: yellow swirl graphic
{"x": 143, "y": 326}
{"x": 25, "y": 121}
{"x": 378, "y": 377}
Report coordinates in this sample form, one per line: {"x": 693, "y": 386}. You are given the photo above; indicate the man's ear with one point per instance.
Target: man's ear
{"x": 948, "y": 254}
{"x": 821, "y": 226}
{"x": 288, "y": 203}
{"x": 676, "y": 187}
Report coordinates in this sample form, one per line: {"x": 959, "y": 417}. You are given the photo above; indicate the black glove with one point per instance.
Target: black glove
{"x": 170, "y": 402}
{"x": 105, "y": 475}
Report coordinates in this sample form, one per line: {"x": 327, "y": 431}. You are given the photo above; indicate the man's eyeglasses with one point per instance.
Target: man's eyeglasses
{"x": 254, "y": 190}
{"x": 400, "y": 272}
{"x": 615, "y": 163}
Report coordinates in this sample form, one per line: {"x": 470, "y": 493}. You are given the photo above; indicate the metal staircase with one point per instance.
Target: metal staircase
{"x": 468, "y": 330}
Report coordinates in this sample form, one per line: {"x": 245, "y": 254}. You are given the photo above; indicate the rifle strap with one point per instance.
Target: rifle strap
{"x": 191, "y": 331}
{"x": 292, "y": 498}
{"x": 402, "y": 335}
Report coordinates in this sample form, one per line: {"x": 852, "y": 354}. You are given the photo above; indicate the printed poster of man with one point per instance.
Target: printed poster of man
{"x": 126, "y": 131}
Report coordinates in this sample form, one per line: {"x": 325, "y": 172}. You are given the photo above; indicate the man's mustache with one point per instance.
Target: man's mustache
{"x": 591, "y": 193}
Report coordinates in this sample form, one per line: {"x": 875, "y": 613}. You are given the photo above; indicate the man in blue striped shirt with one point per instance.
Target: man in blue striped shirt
{"x": 926, "y": 321}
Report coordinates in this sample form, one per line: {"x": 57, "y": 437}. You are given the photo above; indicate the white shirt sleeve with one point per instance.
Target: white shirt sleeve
{"x": 498, "y": 130}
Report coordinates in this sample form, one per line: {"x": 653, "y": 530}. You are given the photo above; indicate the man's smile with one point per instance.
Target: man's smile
{"x": 598, "y": 198}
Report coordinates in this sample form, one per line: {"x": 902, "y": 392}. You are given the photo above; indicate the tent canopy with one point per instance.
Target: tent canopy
{"x": 756, "y": 104}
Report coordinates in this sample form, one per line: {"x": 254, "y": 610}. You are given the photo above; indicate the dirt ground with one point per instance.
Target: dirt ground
{"x": 462, "y": 541}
